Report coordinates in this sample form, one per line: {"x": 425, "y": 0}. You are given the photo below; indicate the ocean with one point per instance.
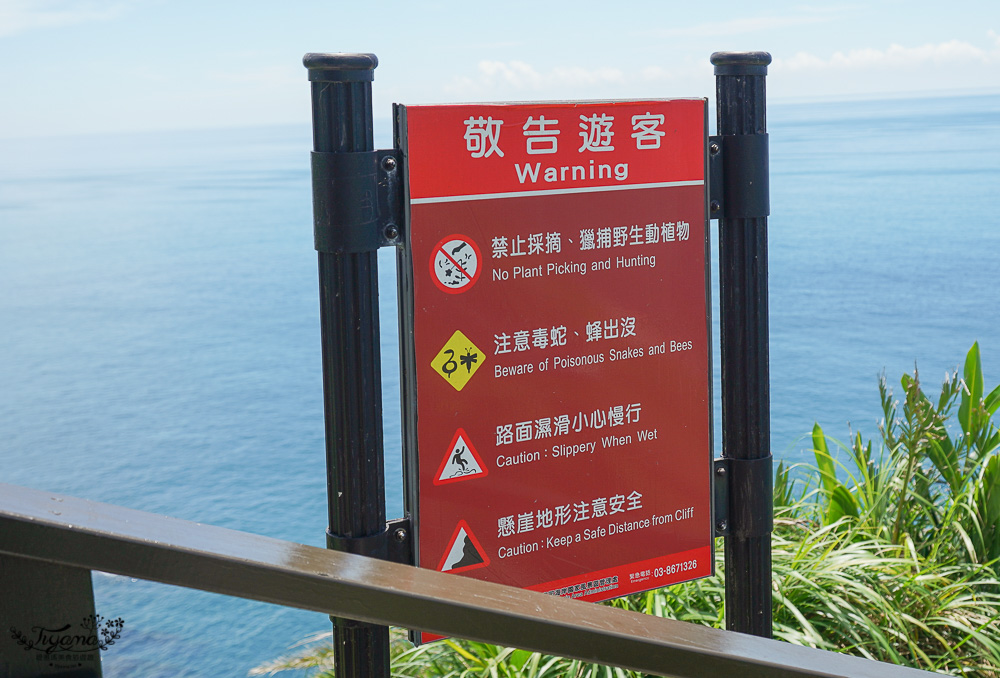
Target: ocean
{"x": 159, "y": 332}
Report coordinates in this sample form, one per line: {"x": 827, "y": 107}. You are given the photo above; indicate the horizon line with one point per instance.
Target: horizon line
{"x": 856, "y": 97}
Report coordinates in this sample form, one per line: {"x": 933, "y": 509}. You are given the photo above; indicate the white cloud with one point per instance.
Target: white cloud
{"x": 950, "y": 65}
{"x": 18, "y": 16}
{"x": 733, "y": 27}
{"x": 699, "y": 70}
{"x": 518, "y": 76}
{"x": 874, "y": 71}
{"x": 519, "y": 80}
{"x": 952, "y": 52}
{"x": 264, "y": 76}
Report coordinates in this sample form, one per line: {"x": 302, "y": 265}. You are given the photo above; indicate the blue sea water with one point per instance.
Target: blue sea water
{"x": 159, "y": 341}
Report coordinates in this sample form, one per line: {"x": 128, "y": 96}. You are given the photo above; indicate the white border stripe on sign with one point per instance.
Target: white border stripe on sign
{"x": 553, "y": 191}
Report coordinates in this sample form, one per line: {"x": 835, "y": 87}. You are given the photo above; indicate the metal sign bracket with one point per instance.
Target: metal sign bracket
{"x": 357, "y": 201}
{"x": 395, "y": 544}
{"x": 720, "y": 496}
{"x": 733, "y": 479}
{"x": 738, "y": 176}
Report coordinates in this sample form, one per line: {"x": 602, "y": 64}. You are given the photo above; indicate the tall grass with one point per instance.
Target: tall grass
{"x": 889, "y": 554}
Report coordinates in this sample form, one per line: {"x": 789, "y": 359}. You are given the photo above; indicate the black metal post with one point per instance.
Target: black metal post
{"x": 348, "y": 287}
{"x": 746, "y": 424}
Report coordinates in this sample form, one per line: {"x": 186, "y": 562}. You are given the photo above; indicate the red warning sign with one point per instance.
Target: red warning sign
{"x": 576, "y": 357}
{"x": 461, "y": 461}
{"x": 464, "y": 552}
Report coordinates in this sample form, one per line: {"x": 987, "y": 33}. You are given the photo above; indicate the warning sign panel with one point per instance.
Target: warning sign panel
{"x": 461, "y": 462}
{"x": 455, "y": 264}
{"x": 556, "y": 298}
{"x": 458, "y": 360}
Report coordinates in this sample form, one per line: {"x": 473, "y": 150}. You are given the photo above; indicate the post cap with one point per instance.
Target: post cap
{"x": 741, "y": 63}
{"x": 340, "y": 67}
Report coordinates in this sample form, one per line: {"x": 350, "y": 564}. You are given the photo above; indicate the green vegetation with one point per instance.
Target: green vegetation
{"x": 891, "y": 555}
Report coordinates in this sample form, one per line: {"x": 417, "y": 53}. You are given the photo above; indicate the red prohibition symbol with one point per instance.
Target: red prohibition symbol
{"x": 455, "y": 263}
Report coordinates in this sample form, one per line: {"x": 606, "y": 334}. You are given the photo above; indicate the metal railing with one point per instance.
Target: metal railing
{"x": 86, "y": 535}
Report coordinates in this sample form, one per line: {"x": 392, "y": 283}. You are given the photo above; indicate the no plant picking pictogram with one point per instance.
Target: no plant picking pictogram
{"x": 455, "y": 264}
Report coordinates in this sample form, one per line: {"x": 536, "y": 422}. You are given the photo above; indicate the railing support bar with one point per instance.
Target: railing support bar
{"x": 132, "y": 543}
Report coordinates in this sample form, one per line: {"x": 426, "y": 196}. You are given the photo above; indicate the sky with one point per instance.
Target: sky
{"x": 99, "y": 66}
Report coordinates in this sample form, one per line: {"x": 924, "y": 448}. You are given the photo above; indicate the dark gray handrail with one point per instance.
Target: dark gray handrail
{"x": 89, "y": 535}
